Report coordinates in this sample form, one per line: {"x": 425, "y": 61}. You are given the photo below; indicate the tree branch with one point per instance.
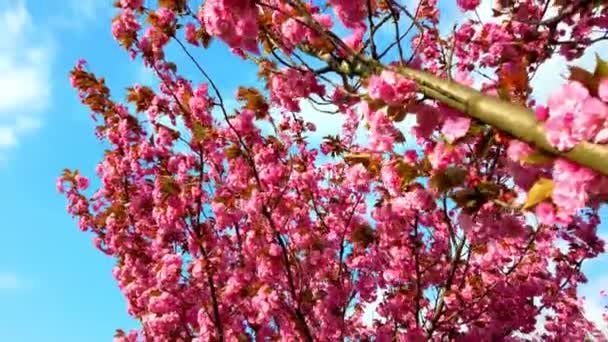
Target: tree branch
{"x": 511, "y": 118}
{"x": 514, "y": 119}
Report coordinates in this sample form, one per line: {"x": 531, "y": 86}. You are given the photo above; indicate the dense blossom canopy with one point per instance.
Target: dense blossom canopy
{"x": 234, "y": 225}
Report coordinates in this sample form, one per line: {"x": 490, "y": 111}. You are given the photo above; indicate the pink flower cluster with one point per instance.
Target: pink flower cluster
{"x": 382, "y": 131}
{"x": 291, "y": 85}
{"x": 234, "y": 21}
{"x": 468, "y": 5}
{"x": 125, "y": 27}
{"x": 575, "y": 116}
{"x": 572, "y": 186}
{"x": 350, "y": 12}
{"x": 132, "y": 4}
{"x": 391, "y": 88}
{"x": 296, "y": 32}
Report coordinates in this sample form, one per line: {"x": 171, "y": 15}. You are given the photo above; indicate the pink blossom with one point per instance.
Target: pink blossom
{"x": 166, "y": 17}
{"x": 358, "y": 177}
{"x": 441, "y": 156}
{"x": 468, "y": 5}
{"x": 382, "y": 131}
{"x": 191, "y": 34}
{"x": 455, "y": 127}
{"x": 391, "y": 88}
{"x": 59, "y": 185}
{"x": 293, "y": 31}
{"x": 559, "y": 132}
{"x": 125, "y": 26}
{"x": 170, "y": 270}
{"x": 564, "y": 105}
{"x": 542, "y": 113}
{"x": 234, "y": 21}
{"x": 355, "y": 40}
{"x": 567, "y": 100}
{"x": 131, "y": 4}
{"x": 463, "y": 77}
{"x": 518, "y": 150}
{"x": 391, "y": 179}
{"x": 350, "y": 12}
{"x": 592, "y": 119}
{"x": 571, "y": 186}
{"x": 82, "y": 182}
{"x": 291, "y": 85}
{"x": 274, "y": 250}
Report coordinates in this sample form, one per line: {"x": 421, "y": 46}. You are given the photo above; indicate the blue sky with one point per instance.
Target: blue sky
{"x": 54, "y": 285}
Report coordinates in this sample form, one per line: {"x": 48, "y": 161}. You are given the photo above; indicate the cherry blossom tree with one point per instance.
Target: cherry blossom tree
{"x": 235, "y": 225}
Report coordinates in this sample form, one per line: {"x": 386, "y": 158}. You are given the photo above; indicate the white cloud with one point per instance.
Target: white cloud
{"x": 79, "y": 14}
{"x": 25, "y": 124}
{"x": 8, "y": 137}
{"x": 86, "y": 8}
{"x": 9, "y": 281}
{"x": 25, "y": 56}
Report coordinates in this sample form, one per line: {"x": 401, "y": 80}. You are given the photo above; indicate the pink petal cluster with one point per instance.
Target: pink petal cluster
{"x": 572, "y": 186}
{"x": 125, "y": 27}
{"x": 132, "y": 4}
{"x": 234, "y": 21}
{"x": 191, "y": 34}
{"x": 575, "y": 116}
{"x": 382, "y": 130}
{"x": 468, "y": 5}
{"x": 391, "y": 88}
{"x": 291, "y": 85}
{"x": 455, "y": 125}
{"x": 295, "y": 31}
{"x": 350, "y": 12}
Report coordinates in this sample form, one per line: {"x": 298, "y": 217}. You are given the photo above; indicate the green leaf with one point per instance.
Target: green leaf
{"x": 540, "y": 191}
{"x": 232, "y": 152}
{"x": 363, "y": 234}
{"x": 601, "y": 68}
{"x": 407, "y": 173}
{"x": 467, "y": 199}
{"x": 198, "y": 131}
{"x": 396, "y": 113}
{"x": 538, "y": 158}
{"x": 488, "y": 189}
{"x": 169, "y": 186}
{"x": 585, "y": 77}
{"x": 358, "y": 158}
{"x": 448, "y": 179}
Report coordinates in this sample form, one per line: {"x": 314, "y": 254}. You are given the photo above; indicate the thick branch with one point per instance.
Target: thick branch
{"x": 514, "y": 119}
{"x": 511, "y": 118}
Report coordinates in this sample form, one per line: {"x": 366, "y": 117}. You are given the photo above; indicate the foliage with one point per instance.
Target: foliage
{"x": 224, "y": 231}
